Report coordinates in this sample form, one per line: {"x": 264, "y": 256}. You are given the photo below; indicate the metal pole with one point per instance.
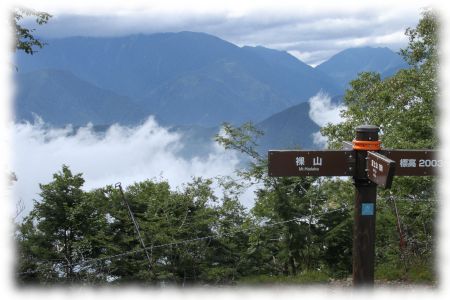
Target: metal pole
{"x": 136, "y": 226}
{"x": 365, "y": 211}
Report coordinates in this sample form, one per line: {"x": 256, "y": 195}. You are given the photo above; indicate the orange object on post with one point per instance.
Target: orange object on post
{"x": 366, "y": 145}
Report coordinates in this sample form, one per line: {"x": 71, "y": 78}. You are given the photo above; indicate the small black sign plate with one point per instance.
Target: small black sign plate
{"x": 380, "y": 169}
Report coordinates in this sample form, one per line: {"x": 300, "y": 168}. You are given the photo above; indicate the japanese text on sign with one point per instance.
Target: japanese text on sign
{"x": 316, "y": 162}
{"x": 311, "y": 163}
{"x": 377, "y": 166}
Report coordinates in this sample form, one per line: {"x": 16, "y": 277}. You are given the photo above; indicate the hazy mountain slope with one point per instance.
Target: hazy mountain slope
{"x": 129, "y": 65}
{"x": 222, "y": 92}
{"x": 186, "y": 77}
{"x": 60, "y": 98}
{"x": 289, "y": 129}
{"x": 291, "y": 76}
{"x": 345, "y": 66}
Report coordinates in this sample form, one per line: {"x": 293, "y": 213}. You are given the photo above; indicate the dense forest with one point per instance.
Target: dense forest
{"x": 299, "y": 230}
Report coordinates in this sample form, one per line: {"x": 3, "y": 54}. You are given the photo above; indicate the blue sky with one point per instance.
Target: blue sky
{"x": 311, "y": 31}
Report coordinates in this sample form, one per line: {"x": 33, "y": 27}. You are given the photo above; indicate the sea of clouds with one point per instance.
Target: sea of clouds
{"x": 126, "y": 154}
{"x": 121, "y": 154}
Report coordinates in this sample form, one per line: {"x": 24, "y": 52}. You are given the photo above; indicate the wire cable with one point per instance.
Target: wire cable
{"x": 82, "y": 265}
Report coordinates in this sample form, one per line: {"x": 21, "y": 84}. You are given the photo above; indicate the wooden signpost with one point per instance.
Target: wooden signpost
{"x": 370, "y": 166}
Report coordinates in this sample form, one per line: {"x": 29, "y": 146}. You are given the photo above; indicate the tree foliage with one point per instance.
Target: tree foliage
{"x": 404, "y": 106}
{"x": 61, "y": 231}
{"x": 24, "y": 37}
{"x": 305, "y": 215}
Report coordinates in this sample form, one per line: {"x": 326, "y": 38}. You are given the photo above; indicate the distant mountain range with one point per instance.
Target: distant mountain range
{"x": 183, "y": 78}
{"x": 191, "y": 82}
{"x": 345, "y": 66}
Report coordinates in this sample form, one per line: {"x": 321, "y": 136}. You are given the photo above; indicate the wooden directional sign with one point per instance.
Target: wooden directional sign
{"x": 364, "y": 160}
{"x": 414, "y": 162}
{"x": 380, "y": 169}
{"x": 311, "y": 163}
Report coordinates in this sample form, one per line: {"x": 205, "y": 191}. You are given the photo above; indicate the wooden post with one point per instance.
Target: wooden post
{"x": 365, "y": 208}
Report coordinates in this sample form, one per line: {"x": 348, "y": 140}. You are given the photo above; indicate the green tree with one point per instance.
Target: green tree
{"x": 226, "y": 261}
{"x": 73, "y": 236}
{"x": 337, "y": 227}
{"x": 60, "y": 233}
{"x": 25, "y": 40}
{"x": 294, "y": 243}
{"x": 173, "y": 225}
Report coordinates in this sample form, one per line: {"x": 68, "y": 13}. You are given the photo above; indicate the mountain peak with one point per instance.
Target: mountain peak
{"x": 345, "y": 65}
{"x": 277, "y": 57}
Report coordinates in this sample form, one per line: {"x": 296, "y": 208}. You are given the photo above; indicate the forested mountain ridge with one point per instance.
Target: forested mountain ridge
{"x": 169, "y": 73}
{"x": 184, "y": 78}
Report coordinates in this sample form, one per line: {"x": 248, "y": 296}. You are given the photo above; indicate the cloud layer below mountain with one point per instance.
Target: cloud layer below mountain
{"x": 121, "y": 154}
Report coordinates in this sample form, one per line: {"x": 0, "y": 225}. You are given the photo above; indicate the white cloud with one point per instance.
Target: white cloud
{"x": 322, "y": 111}
{"x": 319, "y": 140}
{"x": 122, "y": 154}
{"x": 312, "y": 56}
